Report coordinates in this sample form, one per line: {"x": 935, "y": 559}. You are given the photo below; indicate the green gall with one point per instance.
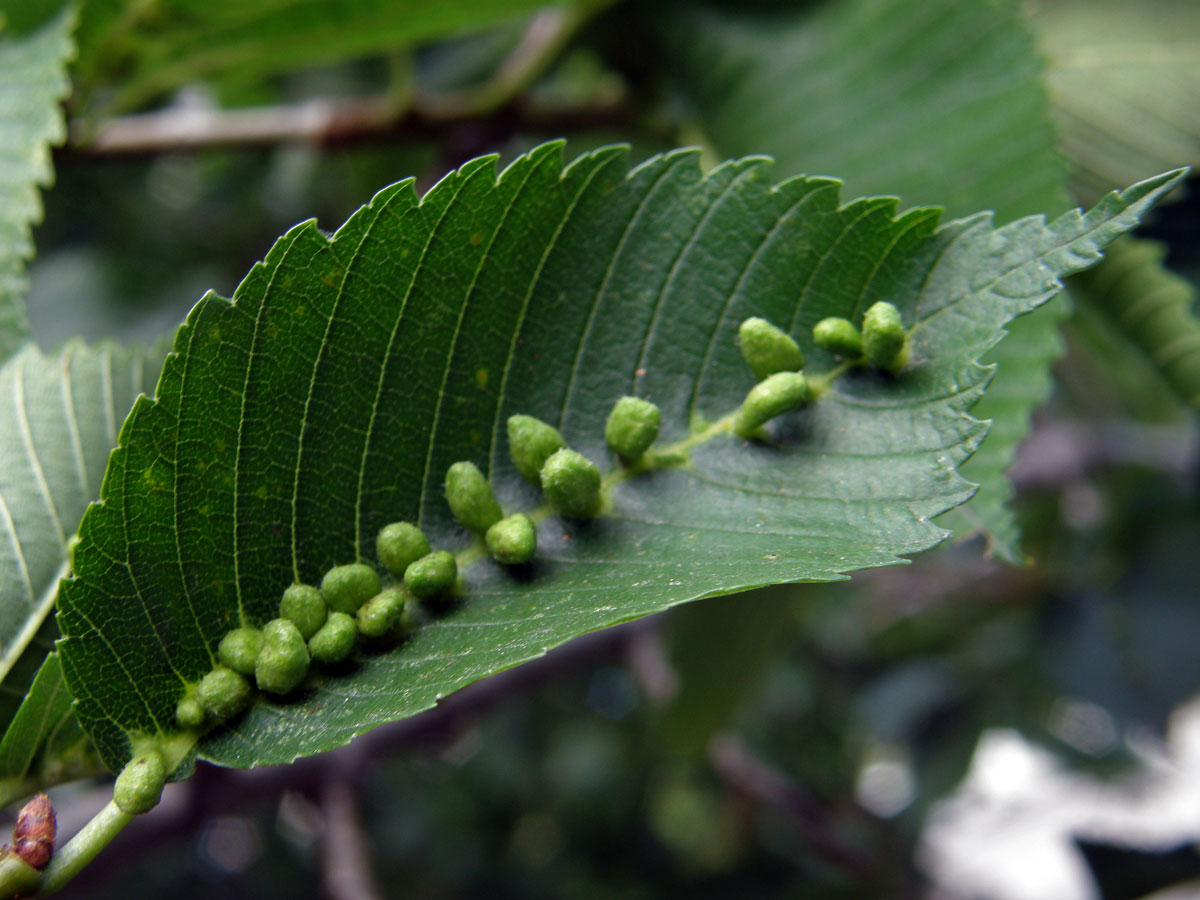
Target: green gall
{"x": 335, "y": 640}
{"x": 224, "y": 693}
{"x": 283, "y": 662}
{"x": 768, "y": 349}
{"x": 140, "y": 784}
{"x": 884, "y": 339}
{"x": 305, "y": 607}
{"x": 189, "y": 713}
{"x": 431, "y": 575}
{"x": 346, "y": 588}
{"x": 571, "y": 482}
{"x": 530, "y": 443}
{"x": 838, "y": 336}
{"x": 399, "y": 545}
{"x": 512, "y": 541}
{"x": 239, "y": 649}
{"x": 471, "y": 498}
{"x": 379, "y": 615}
{"x": 632, "y": 427}
{"x": 780, "y": 393}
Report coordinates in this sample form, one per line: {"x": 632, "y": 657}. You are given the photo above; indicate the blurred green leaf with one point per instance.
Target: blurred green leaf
{"x": 133, "y": 52}
{"x": 33, "y": 80}
{"x": 721, "y": 650}
{"x": 331, "y": 395}
{"x": 939, "y": 102}
{"x": 63, "y": 411}
{"x": 1152, "y": 308}
{"x": 44, "y": 744}
{"x": 1123, "y": 80}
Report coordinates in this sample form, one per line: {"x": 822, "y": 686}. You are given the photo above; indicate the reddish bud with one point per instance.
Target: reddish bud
{"x": 33, "y": 835}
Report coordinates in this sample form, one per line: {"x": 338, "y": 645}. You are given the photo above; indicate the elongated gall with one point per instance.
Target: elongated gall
{"x": 780, "y": 393}
{"x": 140, "y": 785}
{"x": 335, "y": 640}
{"x": 838, "y": 336}
{"x": 283, "y": 662}
{"x": 768, "y": 349}
{"x": 470, "y": 497}
{"x": 884, "y": 338}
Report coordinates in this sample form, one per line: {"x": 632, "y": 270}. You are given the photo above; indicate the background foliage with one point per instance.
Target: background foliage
{"x": 616, "y": 774}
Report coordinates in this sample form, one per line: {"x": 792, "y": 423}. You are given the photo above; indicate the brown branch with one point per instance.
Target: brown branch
{"x": 739, "y": 768}
{"x": 845, "y": 836}
{"x": 345, "y": 854}
{"x": 187, "y": 128}
{"x": 193, "y": 125}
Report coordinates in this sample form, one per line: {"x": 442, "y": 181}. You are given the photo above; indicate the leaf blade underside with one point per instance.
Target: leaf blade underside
{"x": 331, "y": 395}
{"x": 939, "y": 102}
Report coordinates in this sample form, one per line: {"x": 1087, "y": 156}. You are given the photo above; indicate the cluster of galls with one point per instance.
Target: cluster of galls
{"x": 571, "y": 481}
{"x": 322, "y": 624}
{"x": 777, "y": 361}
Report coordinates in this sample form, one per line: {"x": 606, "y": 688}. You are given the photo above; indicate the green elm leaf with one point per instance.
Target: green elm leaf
{"x": 44, "y": 744}
{"x": 33, "y": 81}
{"x": 63, "y": 412}
{"x": 938, "y": 101}
{"x": 1152, "y": 309}
{"x": 349, "y": 371}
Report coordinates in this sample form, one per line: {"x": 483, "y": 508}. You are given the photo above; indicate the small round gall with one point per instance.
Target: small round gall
{"x": 632, "y": 427}
{"x": 530, "y": 443}
{"x": 571, "y": 482}
{"x": 431, "y": 575}
{"x": 304, "y": 606}
{"x": 346, "y": 588}
{"x": 190, "y": 713}
{"x": 239, "y": 649}
{"x": 512, "y": 541}
{"x": 335, "y": 640}
{"x": 399, "y": 545}
{"x": 470, "y": 497}
{"x": 223, "y": 693}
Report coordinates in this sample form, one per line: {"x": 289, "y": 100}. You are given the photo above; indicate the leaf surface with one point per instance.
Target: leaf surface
{"x": 1152, "y": 308}
{"x": 44, "y": 744}
{"x": 63, "y": 412}
{"x": 940, "y": 102}
{"x": 1123, "y": 79}
{"x": 33, "y": 80}
{"x": 330, "y": 396}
